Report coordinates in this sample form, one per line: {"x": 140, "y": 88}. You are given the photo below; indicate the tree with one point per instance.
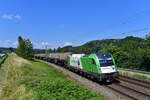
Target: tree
{"x": 119, "y": 55}
{"x": 130, "y": 45}
{"x": 28, "y": 49}
{"x": 59, "y": 49}
{"x": 25, "y": 48}
{"x": 21, "y": 47}
{"x": 54, "y": 50}
{"x": 49, "y": 50}
{"x": 84, "y": 49}
{"x": 11, "y": 49}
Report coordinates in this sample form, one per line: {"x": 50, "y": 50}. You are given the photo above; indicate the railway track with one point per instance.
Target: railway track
{"x": 92, "y": 84}
{"x": 140, "y": 82}
{"x": 129, "y": 91}
{"x": 134, "y": 89}
{"x": 123, "y": 86}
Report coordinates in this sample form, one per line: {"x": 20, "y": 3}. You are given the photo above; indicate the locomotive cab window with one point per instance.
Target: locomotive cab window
{"x": 93, "y": 62}
{"x": 105, "y": 63}
{"x": 105, "y": 59}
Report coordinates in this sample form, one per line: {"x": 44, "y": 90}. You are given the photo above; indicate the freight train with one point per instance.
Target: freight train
{"x": 98, "y": 66}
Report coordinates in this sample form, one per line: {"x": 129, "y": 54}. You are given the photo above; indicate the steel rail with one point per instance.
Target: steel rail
{"x": 125, "y": 93}
{"x": 120, "y": 92}
{"x": 136, "y": 81}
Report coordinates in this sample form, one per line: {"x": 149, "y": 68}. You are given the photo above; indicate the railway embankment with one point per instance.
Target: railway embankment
{"x": 125, "y": 88}
{"x": 3, "y": 57}
{"x": 94, "y": 86}
{"x": 21, "y": 79}
{"x": 135, "y": 74}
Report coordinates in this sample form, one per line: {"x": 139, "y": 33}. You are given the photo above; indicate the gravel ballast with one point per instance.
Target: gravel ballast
{"x": 94, "y": 86}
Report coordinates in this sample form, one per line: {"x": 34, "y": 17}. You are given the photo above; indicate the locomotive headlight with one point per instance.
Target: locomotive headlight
{"x": 113, "y": 67}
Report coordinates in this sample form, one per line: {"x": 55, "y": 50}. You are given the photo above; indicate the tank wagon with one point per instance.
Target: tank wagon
{"x": 99, "y": 66}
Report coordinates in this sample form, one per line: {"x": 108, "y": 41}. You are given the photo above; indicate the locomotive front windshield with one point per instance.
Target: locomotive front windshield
{"x": 105, "y": 59}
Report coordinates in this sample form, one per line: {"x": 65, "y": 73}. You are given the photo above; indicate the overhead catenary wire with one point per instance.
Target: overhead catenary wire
{"x": 133, "y": 31}
{"x": 127, "y": 20}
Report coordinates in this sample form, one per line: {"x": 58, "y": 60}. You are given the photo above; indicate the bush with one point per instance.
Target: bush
{"x": 25, "y": 48}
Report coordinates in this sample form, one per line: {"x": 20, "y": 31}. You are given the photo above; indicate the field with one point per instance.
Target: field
{"x": 35, "y": 80}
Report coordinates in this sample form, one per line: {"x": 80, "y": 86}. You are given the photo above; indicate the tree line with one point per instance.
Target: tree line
{"x": 130, "y": 52}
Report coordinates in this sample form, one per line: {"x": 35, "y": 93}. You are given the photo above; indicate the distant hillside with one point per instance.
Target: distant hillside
{"x": 96, "y": 45}
{"x": 5, "y": 50}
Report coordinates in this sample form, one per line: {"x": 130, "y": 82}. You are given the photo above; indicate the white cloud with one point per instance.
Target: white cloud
{"x": 45, "y": 43}
{"x": 7, "y": 41}
{"x": 17, "y": 17}
{"x": 15, "y": 43}
{"x": 41, "y": 45}
{"x": 10, "y": 16}
{"x": 7, "y": 16}
{"x": 68, "y": 44}
{"x": 37, "y": 45}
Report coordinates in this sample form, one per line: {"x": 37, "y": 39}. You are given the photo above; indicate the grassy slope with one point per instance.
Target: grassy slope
{"x": 10, "y": 77}
{"x": 1, "y": 59}
{"x": 38, "y": 81}
{"x": 135, "y": 75}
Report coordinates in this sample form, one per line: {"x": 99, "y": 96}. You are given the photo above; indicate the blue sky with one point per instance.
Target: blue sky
{"x": 71, "y": 22}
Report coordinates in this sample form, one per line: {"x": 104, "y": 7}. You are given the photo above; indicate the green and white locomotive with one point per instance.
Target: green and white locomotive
{"x": 99, "y": 66}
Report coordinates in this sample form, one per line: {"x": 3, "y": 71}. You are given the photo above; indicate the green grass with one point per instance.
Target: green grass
{"x": 2, "y": 59}
{"x": 135, "y": 70}
{"x": 38, "y": 81}
{"x": 50, "y": 84}
{"x": 135, "y": 75}
{"x": 10, "y": 78}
